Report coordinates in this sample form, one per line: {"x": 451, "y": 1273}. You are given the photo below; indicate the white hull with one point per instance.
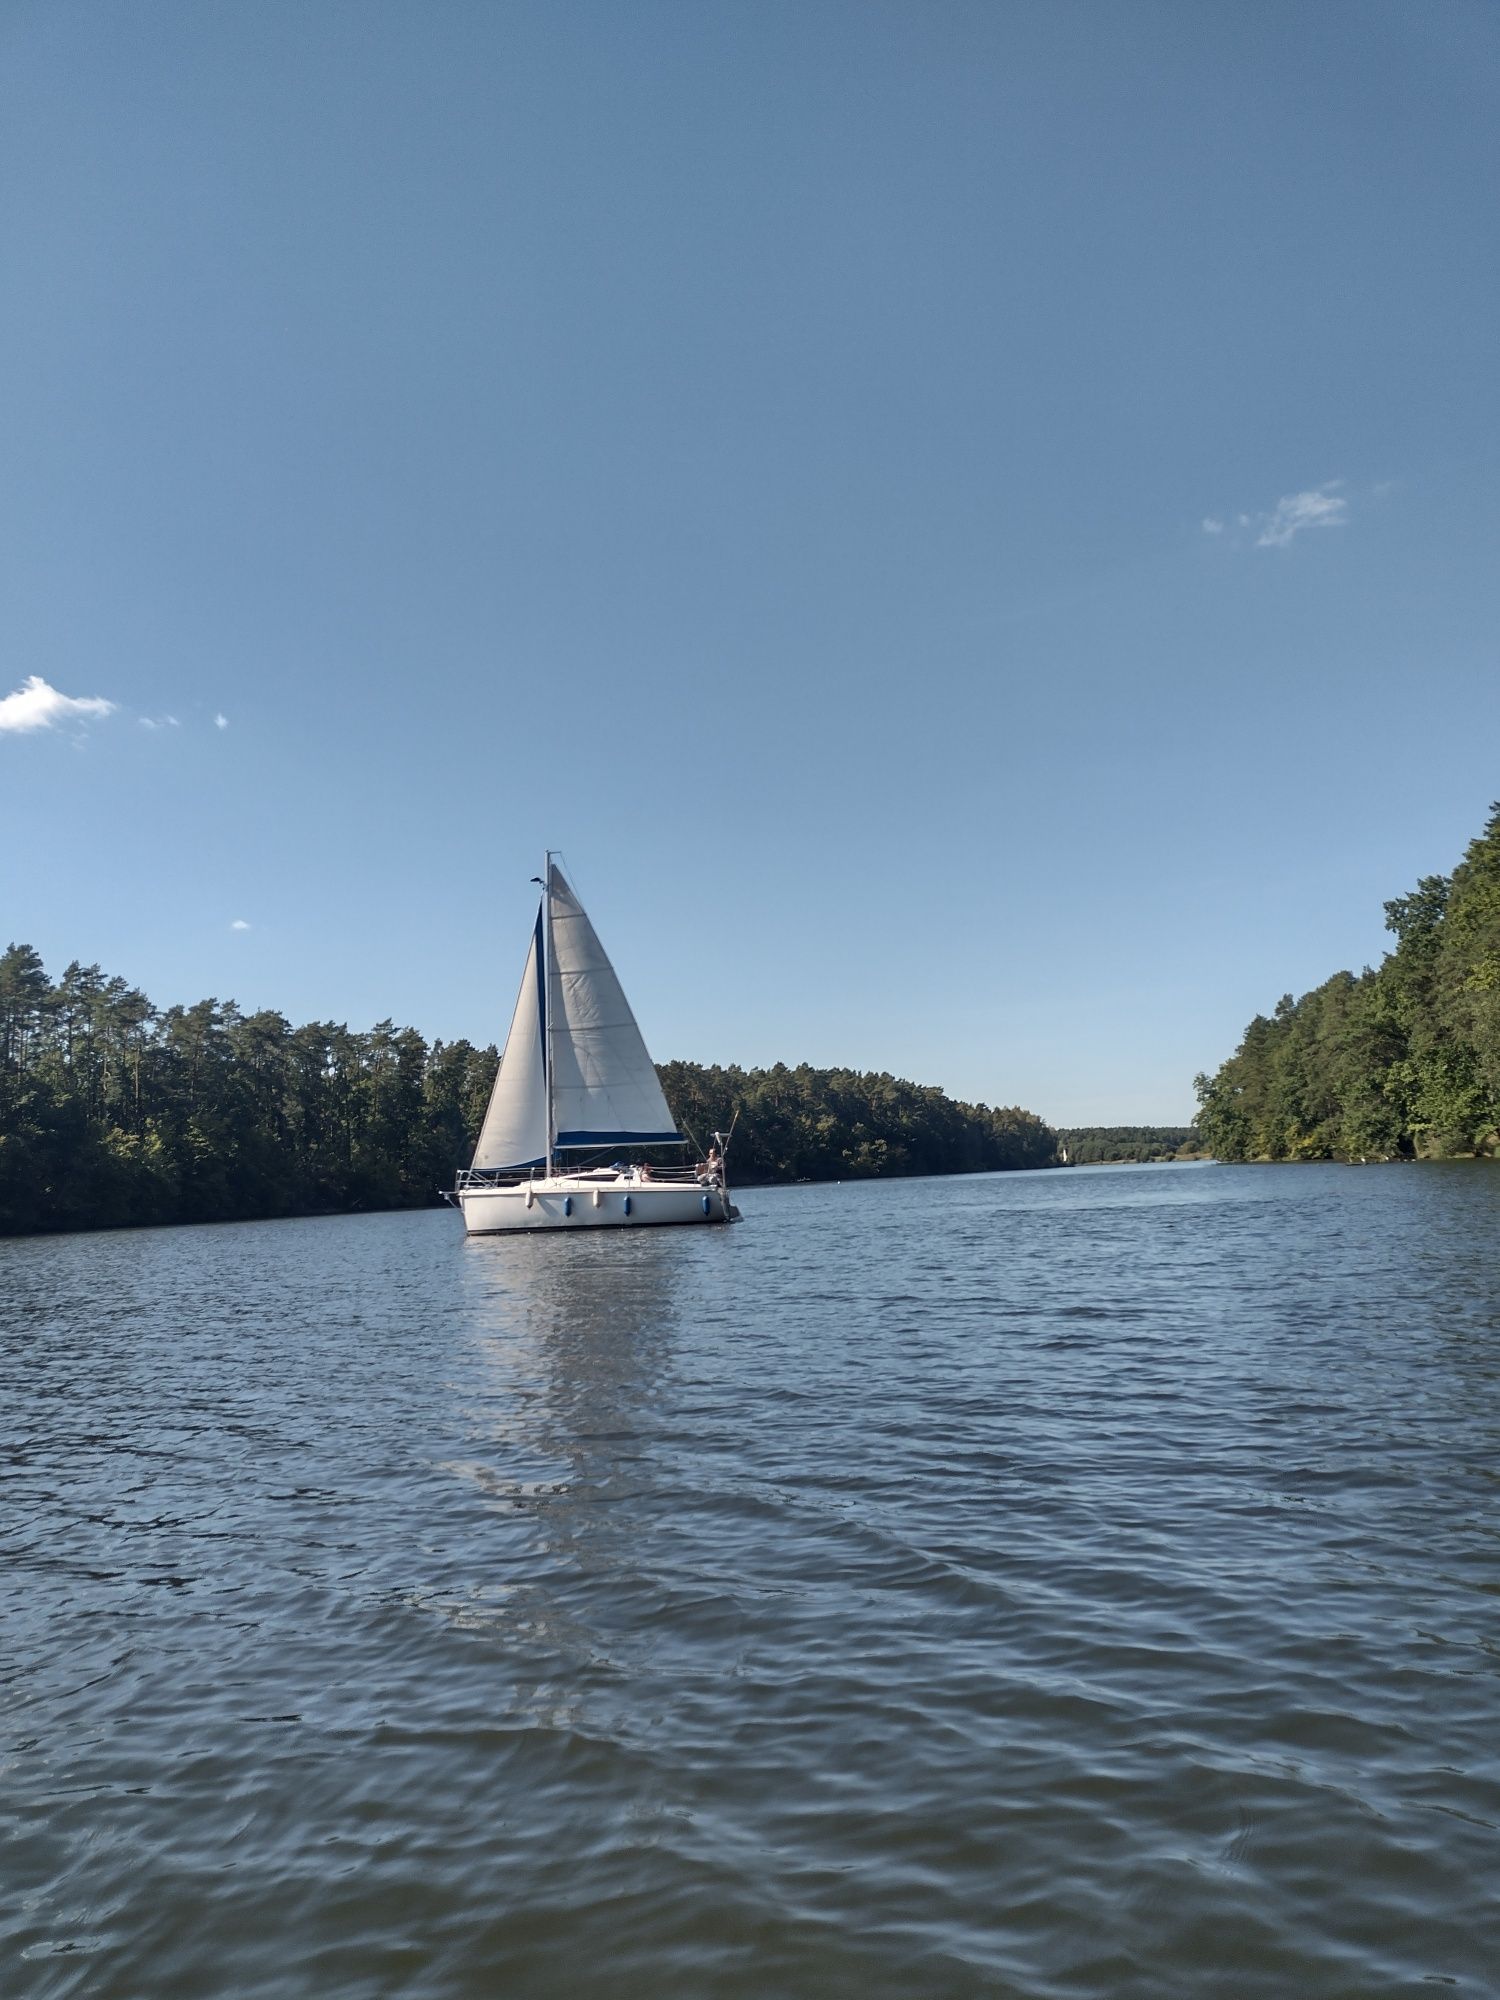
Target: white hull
{"x": 562, "y": 1202}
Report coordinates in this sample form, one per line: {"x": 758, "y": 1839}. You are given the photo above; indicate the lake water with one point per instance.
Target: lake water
{"x": 1065, "y": 1584}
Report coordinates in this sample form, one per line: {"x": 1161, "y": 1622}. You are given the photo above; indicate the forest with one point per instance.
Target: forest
{"x": 1100, "y": 1145}
{"x": 1399, "y": 1062}
{"x": 114, "y": 1112}
{"x": 841, "y": 1124}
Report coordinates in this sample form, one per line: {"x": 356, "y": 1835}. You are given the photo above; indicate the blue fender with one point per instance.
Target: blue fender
{"x": 627, "y": 1204}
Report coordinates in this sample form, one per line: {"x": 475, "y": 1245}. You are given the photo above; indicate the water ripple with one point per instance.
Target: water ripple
{"x": 1044, "y": 1585}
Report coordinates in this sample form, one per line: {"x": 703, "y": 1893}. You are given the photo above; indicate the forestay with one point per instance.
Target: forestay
{"x": 605, "y": 1090}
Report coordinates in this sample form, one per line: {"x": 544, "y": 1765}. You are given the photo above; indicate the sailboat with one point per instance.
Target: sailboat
{"x": 575, "y": 1083}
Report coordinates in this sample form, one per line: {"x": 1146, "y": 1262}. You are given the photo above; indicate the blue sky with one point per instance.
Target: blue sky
{"x": 972, "y": 527}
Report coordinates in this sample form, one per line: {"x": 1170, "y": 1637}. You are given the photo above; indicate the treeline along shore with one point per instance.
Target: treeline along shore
{"x": 1401, "y": 1062}
{"x": 114, "y": 1112}
{"x": 1134, "y": 1145}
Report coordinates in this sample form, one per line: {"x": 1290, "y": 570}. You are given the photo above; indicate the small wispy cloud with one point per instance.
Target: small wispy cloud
{"x": 1320, "y": 507}
{"x": 221, "y": 721}
{"x": 36, "y": 705}
{"x": 1325, "y": 506}
{"x": 158, "y": 722}
{"x": 239, "y": 924}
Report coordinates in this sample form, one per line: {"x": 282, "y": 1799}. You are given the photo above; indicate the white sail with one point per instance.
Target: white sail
{"x": 605, "y": 1090}
{"x": 514, "y": 1133}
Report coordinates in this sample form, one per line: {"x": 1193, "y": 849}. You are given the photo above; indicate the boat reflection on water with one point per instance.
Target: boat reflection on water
{"x": 567, "y": 1437}
{"x": 589, "y": 1318}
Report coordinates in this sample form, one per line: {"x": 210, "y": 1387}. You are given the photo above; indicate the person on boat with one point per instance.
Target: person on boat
{"x": 712, "y": 1170}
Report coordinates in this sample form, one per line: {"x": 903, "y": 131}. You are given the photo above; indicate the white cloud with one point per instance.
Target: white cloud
{"x": 221, "y": 722}
{"x": 35, "y": 705}
{"x": 239, "y": 924}
{"x": 1212, "y": 526}
{"x": 1321, "y": 507}
{"x": 159, "y": 722}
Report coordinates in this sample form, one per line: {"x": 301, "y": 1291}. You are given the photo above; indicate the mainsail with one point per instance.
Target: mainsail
{"x": 605, "y": 1090}
{"x": 514, "y": 1133}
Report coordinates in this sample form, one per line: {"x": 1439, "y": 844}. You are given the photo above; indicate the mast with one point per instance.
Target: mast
{"x": 547, "y": 991}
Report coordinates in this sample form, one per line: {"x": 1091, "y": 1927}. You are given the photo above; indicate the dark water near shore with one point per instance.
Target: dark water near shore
{"x": 1069, "y": 1584}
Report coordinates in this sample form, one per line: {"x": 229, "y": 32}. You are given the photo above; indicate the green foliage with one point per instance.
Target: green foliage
{"x": 115, "y": 1113}
{"x": 1400, "y": 1062}
{"x": 840, "y": 1124}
